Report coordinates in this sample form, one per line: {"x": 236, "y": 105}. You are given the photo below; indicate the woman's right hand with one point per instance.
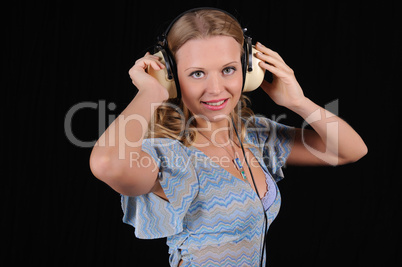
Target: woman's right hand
{"x": 142, "y": 80}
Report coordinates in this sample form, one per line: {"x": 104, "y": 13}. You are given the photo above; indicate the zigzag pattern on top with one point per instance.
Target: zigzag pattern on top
{"x": 212, "y": 218}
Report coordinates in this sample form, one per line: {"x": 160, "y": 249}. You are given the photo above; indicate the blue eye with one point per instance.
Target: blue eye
{"x": 197, "y": 74}
{"x": 229, "y": 70}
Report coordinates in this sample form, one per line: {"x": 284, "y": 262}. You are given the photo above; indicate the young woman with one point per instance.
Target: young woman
{"x": 201, "y": 169}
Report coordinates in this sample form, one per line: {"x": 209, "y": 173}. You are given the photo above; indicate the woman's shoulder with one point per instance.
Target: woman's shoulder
{"x": 258, "y": 128}
{"x": 261, "y": 124}
{"x": 259, "y": 121}
{"x": 266, "y": 133}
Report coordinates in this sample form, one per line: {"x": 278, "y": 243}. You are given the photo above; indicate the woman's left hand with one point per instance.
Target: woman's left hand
{"x": 341, "y": 143}
{"x": 284, "y": 89}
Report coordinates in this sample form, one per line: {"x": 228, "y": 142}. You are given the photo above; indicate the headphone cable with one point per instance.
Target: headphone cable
{"x": 256, "y": 190}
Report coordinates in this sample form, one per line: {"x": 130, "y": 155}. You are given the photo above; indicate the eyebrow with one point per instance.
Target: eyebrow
{"x": 199, "y": 68}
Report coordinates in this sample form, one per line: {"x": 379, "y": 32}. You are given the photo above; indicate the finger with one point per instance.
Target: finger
{"x": 274, "y": 62}
{"x": 157, "y": 59}
{"x": 148, "y": 55}
{"x": 156, "y": 65}
{"x": 269, "y": 59}
{"x": 271, "y": 62}
{"x": 274, "y": 70}
{"x": 144, "y": 62}
{"x": 268, "y": 51}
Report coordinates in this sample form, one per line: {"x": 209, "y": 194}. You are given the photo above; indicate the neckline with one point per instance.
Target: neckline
{"x": 235, "y": 158}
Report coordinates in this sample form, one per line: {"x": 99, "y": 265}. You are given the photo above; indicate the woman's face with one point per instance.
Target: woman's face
{"x": 210, "y": 75}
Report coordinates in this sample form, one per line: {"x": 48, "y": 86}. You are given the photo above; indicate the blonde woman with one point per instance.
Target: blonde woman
{"x": 200, "y": 169}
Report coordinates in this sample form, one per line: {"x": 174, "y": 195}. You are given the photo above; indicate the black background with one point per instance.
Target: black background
{"x": 62, "y": 53}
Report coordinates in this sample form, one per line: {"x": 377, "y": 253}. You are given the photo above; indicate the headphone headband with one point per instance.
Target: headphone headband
{"x": 162, "y": 39}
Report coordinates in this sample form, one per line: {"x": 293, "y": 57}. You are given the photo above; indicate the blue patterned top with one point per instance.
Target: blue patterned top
{"x": 212, "y": 218}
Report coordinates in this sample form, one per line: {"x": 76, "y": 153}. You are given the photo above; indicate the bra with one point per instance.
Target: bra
{"x": 269, "y": 197}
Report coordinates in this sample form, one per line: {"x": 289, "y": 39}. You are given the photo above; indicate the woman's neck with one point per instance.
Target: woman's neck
{"x": 217, "y": 132}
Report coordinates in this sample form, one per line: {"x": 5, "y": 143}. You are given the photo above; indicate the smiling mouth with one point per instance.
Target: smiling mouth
{"x": 215, "y": 103}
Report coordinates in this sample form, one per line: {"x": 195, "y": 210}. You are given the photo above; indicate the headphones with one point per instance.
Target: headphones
{"x": 253, "y": 74}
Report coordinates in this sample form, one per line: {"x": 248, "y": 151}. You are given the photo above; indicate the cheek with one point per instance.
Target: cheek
{"x": 188, "y": 99}
{"x": 236, "y": 85}
{"x": 186, "y": 84}
{"x": 189, "y": 95}
{"x": 188, "y": 90}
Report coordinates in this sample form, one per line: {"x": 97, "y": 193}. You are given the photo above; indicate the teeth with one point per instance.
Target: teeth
{"x": 215, "y": 103}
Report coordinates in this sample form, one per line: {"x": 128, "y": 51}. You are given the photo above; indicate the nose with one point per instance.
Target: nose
{"x": 214, "y": 84}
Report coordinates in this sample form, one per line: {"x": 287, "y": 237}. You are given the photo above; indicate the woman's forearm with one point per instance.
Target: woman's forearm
{"x": 340, "y": 142}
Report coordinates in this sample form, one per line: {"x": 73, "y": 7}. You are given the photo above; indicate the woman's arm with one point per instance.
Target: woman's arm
{"x": 332, "y": 142}
{"x": 116, "y": 156}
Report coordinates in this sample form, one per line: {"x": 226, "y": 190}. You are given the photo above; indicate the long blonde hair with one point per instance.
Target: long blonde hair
{"x": 172, "y": 118}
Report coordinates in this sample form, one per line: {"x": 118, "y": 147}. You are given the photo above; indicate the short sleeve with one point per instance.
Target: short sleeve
{"x": 152, "y": 216}
{"x": 275, "y": 141}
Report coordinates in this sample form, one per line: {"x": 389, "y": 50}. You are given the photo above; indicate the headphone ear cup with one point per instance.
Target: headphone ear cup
{"x": 164, "y": 76}
{"x": 253, "y": 78}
